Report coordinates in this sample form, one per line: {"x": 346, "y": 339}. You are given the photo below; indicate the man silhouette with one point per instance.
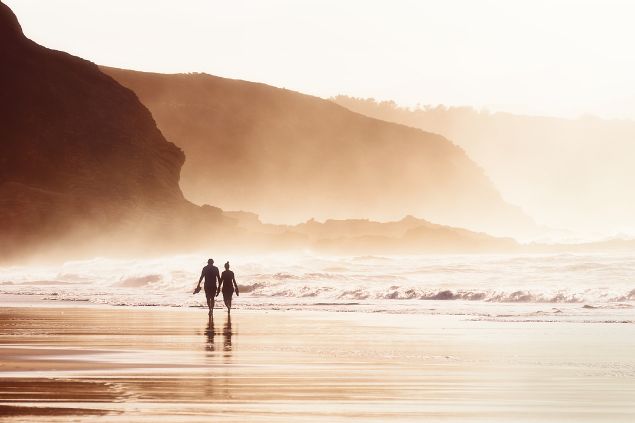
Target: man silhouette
{"x": 211, "y": 275}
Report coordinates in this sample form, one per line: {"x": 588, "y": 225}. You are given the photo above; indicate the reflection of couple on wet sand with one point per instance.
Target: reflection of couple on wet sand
{"x": 227, "y": 334}
{"x": 226, "y": 284}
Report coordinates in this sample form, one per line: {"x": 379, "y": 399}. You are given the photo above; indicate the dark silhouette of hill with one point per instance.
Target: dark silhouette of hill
{"x": 80, "y": 156}
{"x": 85, "y": 170}
{"x": 569, "y": 173}
{"x": 290, "y": 157}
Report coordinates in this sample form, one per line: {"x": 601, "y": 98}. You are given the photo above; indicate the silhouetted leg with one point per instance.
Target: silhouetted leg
{"x": 210, "y": 305}
{"x": 228, "y": 302}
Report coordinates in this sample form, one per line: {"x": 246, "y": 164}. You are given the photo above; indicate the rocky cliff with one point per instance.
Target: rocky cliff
{"x": 84, "y": 169}
{"x": 290, "y": 157}
{"x": 79, "y": 154}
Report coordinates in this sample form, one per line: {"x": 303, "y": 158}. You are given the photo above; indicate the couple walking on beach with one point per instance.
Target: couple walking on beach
{"x": 226, "y": 284}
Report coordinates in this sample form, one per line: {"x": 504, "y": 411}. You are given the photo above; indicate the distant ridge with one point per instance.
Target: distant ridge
{"x": 565, "y": 173}
{"x": 290, "y": 157}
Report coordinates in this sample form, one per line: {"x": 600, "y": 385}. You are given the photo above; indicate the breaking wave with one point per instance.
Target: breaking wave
{"x": 411, "y": 284}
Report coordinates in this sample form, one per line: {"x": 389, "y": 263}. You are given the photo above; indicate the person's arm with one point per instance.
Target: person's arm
{"x": 198, "y": 286}
{"x": 201, "y": 278}
{"x": 220, "y": 282}
{"x": 235, "y": 285}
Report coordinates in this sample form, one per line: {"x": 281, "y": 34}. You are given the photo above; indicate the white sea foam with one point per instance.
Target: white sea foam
{"x": 600, "y": 287}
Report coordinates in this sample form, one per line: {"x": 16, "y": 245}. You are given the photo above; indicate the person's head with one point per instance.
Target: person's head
{"x": 227, "y": 265}
{"x": 210, "y": 261}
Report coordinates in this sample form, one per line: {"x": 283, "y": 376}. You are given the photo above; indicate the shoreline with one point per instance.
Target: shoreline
{"x": 128, "y": 364}
{"x": 519, "y": 312}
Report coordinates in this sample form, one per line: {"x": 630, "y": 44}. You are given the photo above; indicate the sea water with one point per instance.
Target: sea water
{"x": 558, "y": 287}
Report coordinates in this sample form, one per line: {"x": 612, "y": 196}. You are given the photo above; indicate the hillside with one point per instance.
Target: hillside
{"x": 86, "y": 171}
{"x": 290, "y": 157}
{"x": 567, "y": 173}
{"x": 80, "y": 156}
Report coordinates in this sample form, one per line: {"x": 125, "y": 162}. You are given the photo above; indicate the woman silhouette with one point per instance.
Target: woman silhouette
{"x": 227, "y": 285}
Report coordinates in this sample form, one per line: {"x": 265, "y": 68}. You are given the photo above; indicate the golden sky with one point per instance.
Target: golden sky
{"x": 563, "y": 58}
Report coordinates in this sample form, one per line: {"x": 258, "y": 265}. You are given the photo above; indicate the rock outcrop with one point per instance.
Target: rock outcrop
{"x": 80, "y": 156}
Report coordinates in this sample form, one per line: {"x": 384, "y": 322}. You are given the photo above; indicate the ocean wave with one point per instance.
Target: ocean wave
{"x": 44, "y": 283}
{"x": 139, "y": 281}
{"x": 475, "y": 285}
{"x": 628, "y": 297}
{"x": 394, "y": 292}
{"x": 138, "y": 287}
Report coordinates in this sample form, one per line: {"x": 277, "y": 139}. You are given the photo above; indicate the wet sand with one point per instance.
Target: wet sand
{"x": 151, "y": 364}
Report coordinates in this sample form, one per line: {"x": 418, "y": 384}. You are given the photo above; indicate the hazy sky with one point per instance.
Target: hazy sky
{"x": 552, "y": 57}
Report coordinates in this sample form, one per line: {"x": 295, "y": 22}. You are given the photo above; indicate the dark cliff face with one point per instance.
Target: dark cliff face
{"x": 64, "y": 122}
{"x": 290, "y": 157}
{"x": 76, "y": 147}
{"x": 84, "y": 169}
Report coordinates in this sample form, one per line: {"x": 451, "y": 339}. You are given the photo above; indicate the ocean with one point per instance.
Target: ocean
{"x": 595, "y": 288}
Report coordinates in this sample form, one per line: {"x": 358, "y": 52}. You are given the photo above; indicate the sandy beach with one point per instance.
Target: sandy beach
{"x": 124, "y": 364}
{"x": 420, "y": 211}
